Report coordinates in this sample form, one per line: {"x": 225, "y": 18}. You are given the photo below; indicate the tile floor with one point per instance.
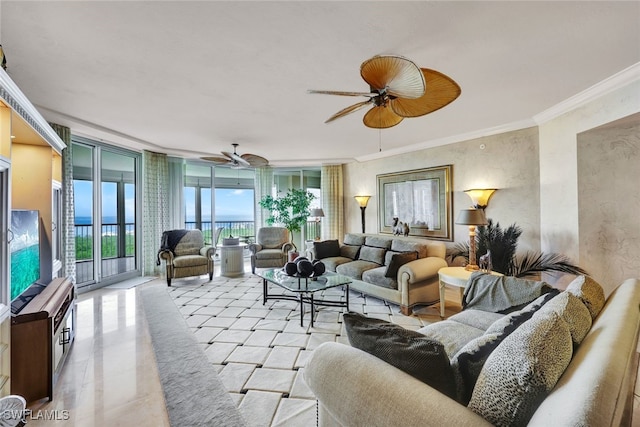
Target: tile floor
{"x": 109, "y": 379}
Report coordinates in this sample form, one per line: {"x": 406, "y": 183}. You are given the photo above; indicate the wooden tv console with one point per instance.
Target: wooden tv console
{"x": 41, "y": 337}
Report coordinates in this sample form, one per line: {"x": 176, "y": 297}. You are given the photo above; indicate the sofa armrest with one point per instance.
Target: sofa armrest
{"x": 255, "y": 247}
{"x": 420, "y": 269}
{"x": 356, "y": 388}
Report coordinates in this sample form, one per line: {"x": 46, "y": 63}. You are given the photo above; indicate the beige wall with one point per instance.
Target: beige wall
{"x": 559, "y": 206}
{"x": 609, "y": 201}
{"x": 508, "y": 162}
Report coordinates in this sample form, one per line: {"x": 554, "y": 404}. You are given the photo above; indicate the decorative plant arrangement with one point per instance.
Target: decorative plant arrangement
{"x": 503, "y": 245}
{"x": 290, "y": 210}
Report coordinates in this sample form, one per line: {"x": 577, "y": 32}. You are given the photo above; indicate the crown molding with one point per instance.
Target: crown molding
{"x": 14, "y": 98}
{"x": 509, "y": 127}
{"x": 610, "y": 84}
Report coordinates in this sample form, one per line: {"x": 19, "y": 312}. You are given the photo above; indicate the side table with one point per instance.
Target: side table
{"x": 232, "y": 260}
{"x": 457, "y": 277}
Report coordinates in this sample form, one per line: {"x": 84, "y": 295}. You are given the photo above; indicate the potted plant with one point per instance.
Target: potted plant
{"x": 503, "y": 244}
{"x": 290, "y": 210}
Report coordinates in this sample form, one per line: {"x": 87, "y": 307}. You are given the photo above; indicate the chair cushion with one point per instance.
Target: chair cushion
{"x": 410, "y": 351}
{"x": 522, "y": 370}
{"x": 326, "y": 249}
{"x": 190, "y": 244}
{"x": 270, "y": 254}
{"x": 189, "y": 261}
{"x": 273, "y": 237}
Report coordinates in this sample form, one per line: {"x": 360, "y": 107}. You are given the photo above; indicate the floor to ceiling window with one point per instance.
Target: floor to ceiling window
{"x": 106, "y": 211}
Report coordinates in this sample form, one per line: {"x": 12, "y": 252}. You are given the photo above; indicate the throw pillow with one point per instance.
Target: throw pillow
{"x": 573, "y": 311}
{"x": 326, "y": 249}
{"x": 371, "y": 254}
{"x": 522, "y": 370}
{"x": 397, "y": 261}
{"x": 349, "y": 251}
{"x": 590, "y": 293}
{"x": 468, "y": 362}
{"x": 419, "y": 356}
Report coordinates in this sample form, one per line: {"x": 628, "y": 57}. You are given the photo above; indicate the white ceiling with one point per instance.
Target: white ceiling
{"x": 189, "y": 78}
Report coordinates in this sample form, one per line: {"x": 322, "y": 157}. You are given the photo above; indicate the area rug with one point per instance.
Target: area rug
{"x": 194, "y": 394}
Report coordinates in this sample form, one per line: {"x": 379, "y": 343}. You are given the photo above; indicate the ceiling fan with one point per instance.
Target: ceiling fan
{"x": 398, "y": 89}
{"x": 238, "y": 161}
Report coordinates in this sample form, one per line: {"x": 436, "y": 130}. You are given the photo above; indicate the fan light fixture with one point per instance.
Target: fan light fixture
{"x": 480, "y": 197}
{"x": 398, "y": 89}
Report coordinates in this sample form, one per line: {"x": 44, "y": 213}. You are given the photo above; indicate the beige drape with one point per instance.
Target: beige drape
{"x": 332, "y": 202}
{"x": 155, "y": 208}
{"x": 263, "y": 186}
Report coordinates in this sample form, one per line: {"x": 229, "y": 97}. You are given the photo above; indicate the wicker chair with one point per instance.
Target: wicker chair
{"x": 271, "y": 248}
{"x": 185, "y": 254}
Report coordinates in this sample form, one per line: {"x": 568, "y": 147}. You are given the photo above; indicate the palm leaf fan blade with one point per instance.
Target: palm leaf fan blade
{"x": 381, "y": 117}
{"x": 350, "y": 109}
{"x": 440, "y": 91}
{"x": 399, "y": 76}
{"x": 255, "y": 160}
{"x": 217, "y": 159}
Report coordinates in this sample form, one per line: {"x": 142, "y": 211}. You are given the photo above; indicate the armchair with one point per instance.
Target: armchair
{"x": 271, "y": 248}
{"x": 185, "y": 254}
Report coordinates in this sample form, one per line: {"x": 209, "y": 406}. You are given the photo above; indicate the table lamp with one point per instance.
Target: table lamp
{"x": 472, "y": 218}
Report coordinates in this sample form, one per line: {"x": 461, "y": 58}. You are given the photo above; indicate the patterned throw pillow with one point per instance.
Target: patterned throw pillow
{"x": 468, "y": 362}
{"x": 417, "y": 355}
{"x": 573, "y": 311}
{"x": 590, "y": 292}
{"x": 326, "y": 249}
{"x": 397, "y": 261}
{"x": 522, "y": 370}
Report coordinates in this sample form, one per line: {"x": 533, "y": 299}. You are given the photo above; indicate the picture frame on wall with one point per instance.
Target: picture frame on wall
{"x": 416, "y": 203}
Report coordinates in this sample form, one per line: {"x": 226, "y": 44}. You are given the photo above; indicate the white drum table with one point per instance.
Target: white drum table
{"x": 457, "y": 277}
{"x": 232, "y": 260}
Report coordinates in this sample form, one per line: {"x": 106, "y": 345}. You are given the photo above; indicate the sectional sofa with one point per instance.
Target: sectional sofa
{"x": 570, "y": 364}
{"x": 402, "y": 270}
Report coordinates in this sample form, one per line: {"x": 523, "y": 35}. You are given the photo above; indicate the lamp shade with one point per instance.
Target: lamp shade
{"x": 317, "y": 212}
{"x": 480, "y": 196}
{"x": 471, "y": 217}
{"x": 362, "y": 200}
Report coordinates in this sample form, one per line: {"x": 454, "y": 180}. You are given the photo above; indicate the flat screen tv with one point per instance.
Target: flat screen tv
{"x": 25, "y": 257}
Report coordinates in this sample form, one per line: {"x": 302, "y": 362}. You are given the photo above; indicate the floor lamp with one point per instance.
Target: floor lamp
{"x": 362, "y": 201}
{"x": 317, "y": 213}
{"x": 472, "y": 218}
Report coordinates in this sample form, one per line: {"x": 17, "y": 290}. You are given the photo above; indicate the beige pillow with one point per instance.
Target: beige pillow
{"x": 590, "y": 292}
{"x": 519, "y": 374}
{"x": 571, "y": 309}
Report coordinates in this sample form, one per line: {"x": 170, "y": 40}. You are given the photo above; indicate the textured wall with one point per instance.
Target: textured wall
{"x": 508, "y": 162}
{"x": 609, "y": 201}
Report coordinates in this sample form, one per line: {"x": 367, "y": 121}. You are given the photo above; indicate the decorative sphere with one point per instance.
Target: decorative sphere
{"x": 291, "y": 268}
{"x": 305, "y": 268}
{"x": 300, "y": 258}
{"x": 319, "y": 268}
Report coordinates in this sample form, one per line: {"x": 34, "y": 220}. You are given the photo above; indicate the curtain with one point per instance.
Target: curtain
{"x": 176, "y": 192}
{"x": 68, "y": 243}
{"x": 332, "y": 200}
{"x": 263, "y": 186}
{"x": 155, "y": 208}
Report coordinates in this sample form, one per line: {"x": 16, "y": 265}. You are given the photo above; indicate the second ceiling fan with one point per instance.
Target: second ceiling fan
{"x": 238, "y": 161}
{"x": 398, "y": 89}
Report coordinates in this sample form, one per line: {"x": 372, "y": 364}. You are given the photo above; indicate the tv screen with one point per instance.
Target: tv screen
{"x": 24, "y": 250}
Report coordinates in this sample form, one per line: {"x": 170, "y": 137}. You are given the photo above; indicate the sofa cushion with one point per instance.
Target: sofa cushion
{"x": 476, "y": 318}
{"x": 573, "y": 311}
{"x": 349, "y": 251}
{"x": 402, "y": 245}
{"x": 372, "y": 254}
{"x": 354, "y": 239}
{"x": 376, "y": 276}
{"x": 468, "y": 362}
{"x": 332, "y": 263}
{"x": 378, "y": 242}
{"x": 410, "y": 351}
{"x": 354, "y": 269}
{"x": 326, "y": 249}
{"x": 522, "y": 370}
{"x": 451, "y": 334}
{"x": 590, "y": 292}
{"x": 397, "y": 261}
